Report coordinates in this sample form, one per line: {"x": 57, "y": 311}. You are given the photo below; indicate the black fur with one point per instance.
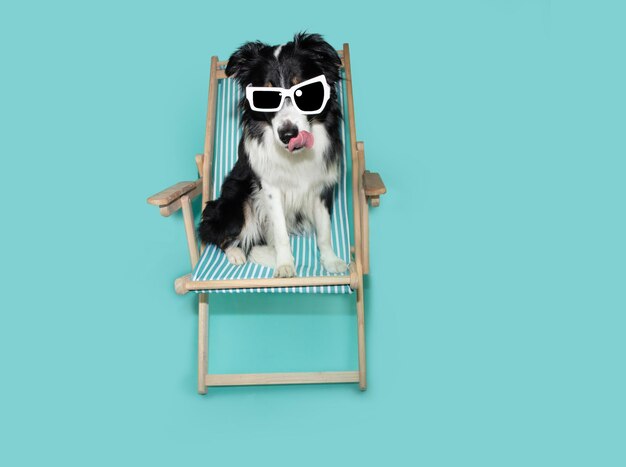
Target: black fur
{"x": 307, "y": 56}
{"x": 223, "y": 218}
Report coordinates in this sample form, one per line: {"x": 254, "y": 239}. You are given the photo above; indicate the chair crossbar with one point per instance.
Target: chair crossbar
{"x": 262, "y": 379}
{"x": 269, "y": 283}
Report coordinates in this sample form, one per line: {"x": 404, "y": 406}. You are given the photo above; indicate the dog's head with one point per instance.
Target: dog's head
{"x": 261, "y": 65}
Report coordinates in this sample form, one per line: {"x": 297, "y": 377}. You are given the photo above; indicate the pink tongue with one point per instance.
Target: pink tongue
{"x": 304, "y": 139}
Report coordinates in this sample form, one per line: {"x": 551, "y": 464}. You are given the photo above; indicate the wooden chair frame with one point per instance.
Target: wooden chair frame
{"x": 366, "y": 187}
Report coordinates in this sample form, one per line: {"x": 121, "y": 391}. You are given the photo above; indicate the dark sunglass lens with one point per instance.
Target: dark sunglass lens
{"x": 266, "y": 99}
{"x": 310, "y": 97}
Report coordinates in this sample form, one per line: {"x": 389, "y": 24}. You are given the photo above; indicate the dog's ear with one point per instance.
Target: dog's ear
{"x": 321, "y": 51}
{"x": 240, "y": 63}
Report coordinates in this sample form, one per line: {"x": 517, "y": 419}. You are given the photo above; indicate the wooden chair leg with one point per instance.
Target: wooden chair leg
{"x": 360, "y": 318}
{"x": 203, "y": 341}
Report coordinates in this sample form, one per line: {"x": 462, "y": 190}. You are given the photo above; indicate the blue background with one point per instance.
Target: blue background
{"x": 495, "y": 306}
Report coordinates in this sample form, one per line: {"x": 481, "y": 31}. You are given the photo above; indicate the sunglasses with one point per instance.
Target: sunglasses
{"x": 309, "y": 97}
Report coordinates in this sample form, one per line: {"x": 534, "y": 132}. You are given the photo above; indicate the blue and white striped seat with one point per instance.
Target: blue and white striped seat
{"x": 213, "y": 264}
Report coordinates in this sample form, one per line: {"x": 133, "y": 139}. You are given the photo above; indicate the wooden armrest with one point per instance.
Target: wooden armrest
{"x": 374, "y": 187}
{"x": 171, "y": 194}
{"x": 373, "y": 184}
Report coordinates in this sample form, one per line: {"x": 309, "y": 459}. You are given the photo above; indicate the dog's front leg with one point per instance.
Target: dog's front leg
{"x": 284, "y": 257}
{"x": 331, "y": 262}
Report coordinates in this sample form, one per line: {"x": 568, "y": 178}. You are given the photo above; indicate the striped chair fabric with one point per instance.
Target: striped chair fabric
{"x": 213, "y": 264}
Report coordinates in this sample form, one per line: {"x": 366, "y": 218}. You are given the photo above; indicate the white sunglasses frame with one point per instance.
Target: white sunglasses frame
{"x": 290, "y": 93}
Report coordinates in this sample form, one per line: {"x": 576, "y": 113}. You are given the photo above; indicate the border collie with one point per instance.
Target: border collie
{"x": 288, "y": 158}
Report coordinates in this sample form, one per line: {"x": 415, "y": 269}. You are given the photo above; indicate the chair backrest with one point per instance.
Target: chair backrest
{"x": 222, "y": 146}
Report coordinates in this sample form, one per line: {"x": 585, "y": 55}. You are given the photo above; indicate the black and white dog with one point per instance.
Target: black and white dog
{"x": 288, "y": 159}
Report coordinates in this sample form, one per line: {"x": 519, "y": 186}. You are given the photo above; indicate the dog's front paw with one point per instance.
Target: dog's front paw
{"x": 235, "y": 255}
{"x": 285, "y": 270}
{"x": 334, "y": 264}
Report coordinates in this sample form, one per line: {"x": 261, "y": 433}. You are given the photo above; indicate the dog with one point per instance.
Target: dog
{"x": 289, "y": 155}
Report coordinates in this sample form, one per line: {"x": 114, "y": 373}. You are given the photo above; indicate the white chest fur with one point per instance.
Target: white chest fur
{"x": 299, "y": 177}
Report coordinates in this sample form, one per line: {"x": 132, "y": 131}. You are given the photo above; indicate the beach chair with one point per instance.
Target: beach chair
{"x": 211, "y": 272}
